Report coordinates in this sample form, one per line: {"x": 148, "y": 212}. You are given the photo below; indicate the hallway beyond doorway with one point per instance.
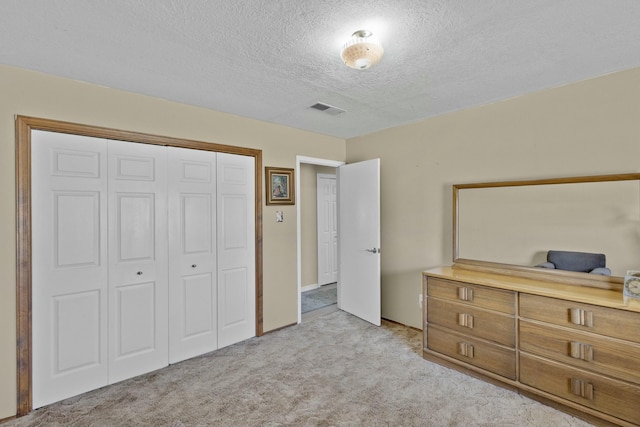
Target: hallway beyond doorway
{"x": 328, "y": 295}
{"x": 320, "y": 297}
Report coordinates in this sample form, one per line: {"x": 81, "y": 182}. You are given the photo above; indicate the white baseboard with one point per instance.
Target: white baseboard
{"x": 309, "y": 287}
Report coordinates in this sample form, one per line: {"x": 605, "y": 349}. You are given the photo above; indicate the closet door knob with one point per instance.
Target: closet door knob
{"x": 139, "y": 273}
{"x": 194, "y": 265}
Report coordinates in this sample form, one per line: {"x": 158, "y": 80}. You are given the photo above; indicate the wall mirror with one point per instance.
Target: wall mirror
{"x": 513, "y": 224}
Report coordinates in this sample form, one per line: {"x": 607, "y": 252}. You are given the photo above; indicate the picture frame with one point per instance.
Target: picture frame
{"x": 280, "y": 186}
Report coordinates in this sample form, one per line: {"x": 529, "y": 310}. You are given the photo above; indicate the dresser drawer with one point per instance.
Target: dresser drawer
{"x": 582, "y": 349}
{"x": 601, "y": 320}
{"x": 470, "y": 320}
{"x": 480, "y": 296}
{"x": 589, "y": 389}
{"x": 491, "y": 357}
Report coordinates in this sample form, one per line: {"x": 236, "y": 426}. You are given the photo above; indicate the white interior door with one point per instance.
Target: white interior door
{"x": 138, "y": 285}
{"x": 327, "y": 229}
{"x": 192, "y": 253}
{"x": 69, "y": 265}
{"x": 359, "y": 243}
{"x": 236, "y": 248}
{"x": 101, "y": 259}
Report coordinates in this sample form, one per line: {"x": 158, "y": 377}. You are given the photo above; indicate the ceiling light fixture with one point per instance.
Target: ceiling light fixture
{"x": 362, "y": 51}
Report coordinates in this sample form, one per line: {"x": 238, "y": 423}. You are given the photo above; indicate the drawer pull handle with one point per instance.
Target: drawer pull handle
{"x": 581, "y": 351}
{"x": 465, "y": 350}
{"x": 581, "y": 317}
{"x": 465, "y": 320}
{"x": 582, "y": 389}
{"x": 465, "y": 294}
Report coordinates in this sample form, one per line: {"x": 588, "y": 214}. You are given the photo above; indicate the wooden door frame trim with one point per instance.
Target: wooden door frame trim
{"x": 24, "y": 126}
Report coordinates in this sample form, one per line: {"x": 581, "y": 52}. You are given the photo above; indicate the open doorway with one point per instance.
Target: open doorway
{"x": 316, "y": 296}
{"x": 319, "y": 238}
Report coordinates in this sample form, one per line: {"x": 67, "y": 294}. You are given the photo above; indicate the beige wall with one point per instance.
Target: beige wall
{"x": 308, "y": 221}
{"x": 586, "y": 128}
{"x": 38, "y": 95}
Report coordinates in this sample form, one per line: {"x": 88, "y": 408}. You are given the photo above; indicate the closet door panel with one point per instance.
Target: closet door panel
{"x": 233, "y": 291}
{"x": 69, "y": 265}
{"x": 143, "y": 255}
{"x": 76, "y": 318}
{"x": 138, "y": 280}
{"x": 192, "y": 250}
{"x": 197, "y": 295}
{"x": 135, "y": 319}
{"x": 136, "y": 227}
{"x": 77, "y": 228}
{"x": 236, "y": 249}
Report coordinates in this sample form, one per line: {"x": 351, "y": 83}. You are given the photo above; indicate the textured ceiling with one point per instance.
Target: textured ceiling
{"x": 272, "y": 59}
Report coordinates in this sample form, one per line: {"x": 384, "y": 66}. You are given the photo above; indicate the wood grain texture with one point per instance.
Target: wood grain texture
{"x": 608, "y": 395}
{"x": 557, "y": 276}
{"x": 497, "y": 359}
{"x": 23, "y": 266}
{"x": 606, "y": 321}
{"x": 487, "y": 324}
{"x": 480, "y": 296}
{"x": 610, "y": 357}
{"x": 577, "y": 350}
{"x": 593, "y": 416}
{"x": 258, "y": 236}
{"x": 585, "y": 294}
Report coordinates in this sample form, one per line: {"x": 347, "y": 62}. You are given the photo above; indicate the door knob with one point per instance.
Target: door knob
{"x": 139, "y": 273}
{"x": 194, "y": 265}
{"x": 373, "y": 251}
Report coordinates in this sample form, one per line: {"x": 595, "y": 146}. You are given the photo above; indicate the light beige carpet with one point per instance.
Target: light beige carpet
{"x": 335, "y": 370}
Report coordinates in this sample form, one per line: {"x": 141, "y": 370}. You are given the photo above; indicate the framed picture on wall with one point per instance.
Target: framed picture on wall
{"x": 280, "y": 186}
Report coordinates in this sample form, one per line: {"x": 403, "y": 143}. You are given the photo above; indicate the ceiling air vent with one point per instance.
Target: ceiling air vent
{"x": 329, "y": 109}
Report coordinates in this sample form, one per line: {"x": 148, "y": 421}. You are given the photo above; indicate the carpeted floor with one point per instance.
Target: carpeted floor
{"x": 335, "y": 370}
{"x": 320, "y": 297}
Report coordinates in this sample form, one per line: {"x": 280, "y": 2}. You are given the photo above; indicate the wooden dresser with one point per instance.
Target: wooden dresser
{"x": 575, "y": 348}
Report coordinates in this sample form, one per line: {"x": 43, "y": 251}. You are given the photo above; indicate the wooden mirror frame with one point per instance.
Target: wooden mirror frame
{"x": 566, "y": 277}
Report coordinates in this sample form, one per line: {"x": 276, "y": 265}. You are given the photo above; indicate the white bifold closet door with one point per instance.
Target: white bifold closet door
{"x": 142, "y": 256}
{"x": 69, "y": 265}
{"x": 138, "y": 276}
{"x": 211, "y": 251}
{"x": 236, "y": 249}
{"x": 193, "y": 326}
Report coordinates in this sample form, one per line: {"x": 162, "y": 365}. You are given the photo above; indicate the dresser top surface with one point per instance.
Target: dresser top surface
{"x": 583, "y": 294}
